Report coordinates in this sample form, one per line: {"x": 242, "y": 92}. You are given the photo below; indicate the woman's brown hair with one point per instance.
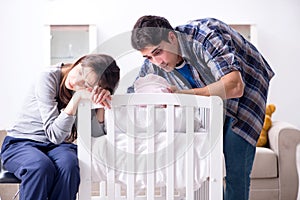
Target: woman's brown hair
{"x": 108, "y": 74}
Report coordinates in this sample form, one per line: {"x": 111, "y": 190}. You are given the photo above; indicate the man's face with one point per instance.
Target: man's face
{"x": 165, "y": 55}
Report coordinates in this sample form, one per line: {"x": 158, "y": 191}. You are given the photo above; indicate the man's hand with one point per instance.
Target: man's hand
{"x": 173, "y": 89}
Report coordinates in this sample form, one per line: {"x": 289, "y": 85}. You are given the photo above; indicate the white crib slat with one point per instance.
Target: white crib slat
{"x": 118, "y": 191}
{"x": 111, "y": 154}
{"x": 151, "y": 152}
{"x": 216, "y": 137}
{"x": 102, "y": 189}
{"x": 189, "y": 156}
{"x": 84, "y": 149}
{"x": 130, "y": 152}
{"x": 170, "y": 151}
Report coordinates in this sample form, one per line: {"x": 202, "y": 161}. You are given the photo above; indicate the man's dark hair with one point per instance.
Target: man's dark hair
{"x": 150, "y": 30}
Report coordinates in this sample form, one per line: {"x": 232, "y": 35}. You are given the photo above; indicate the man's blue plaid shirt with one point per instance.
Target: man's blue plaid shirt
{"x": 214, "y": 49}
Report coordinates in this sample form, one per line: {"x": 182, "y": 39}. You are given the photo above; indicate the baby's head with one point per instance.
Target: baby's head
{"x": 151, "y": 83}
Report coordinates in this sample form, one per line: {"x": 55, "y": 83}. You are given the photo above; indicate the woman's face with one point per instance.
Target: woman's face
{"x": 81, "y": 78}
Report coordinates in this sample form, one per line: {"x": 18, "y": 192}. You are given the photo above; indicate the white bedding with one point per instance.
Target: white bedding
{"x": 101, "y": 150}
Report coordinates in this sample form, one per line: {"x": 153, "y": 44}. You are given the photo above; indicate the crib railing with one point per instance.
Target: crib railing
{"x": 110, "y": 190}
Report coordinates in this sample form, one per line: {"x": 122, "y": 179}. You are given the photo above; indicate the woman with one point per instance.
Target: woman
{"x": 39, "y": 148}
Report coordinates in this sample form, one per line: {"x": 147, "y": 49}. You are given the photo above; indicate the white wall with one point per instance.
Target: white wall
{"x": 22, "y": 42}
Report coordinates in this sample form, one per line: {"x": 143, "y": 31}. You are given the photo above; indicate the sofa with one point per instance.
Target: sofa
{"x": 274, "y": 174}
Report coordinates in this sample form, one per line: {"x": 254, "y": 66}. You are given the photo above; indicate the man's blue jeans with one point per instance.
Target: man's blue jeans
{"x": 239, "y": 156}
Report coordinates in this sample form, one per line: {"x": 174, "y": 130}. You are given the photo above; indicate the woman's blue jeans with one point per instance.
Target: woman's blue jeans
{"x": 239, "y": 156}
{"x": 48, "y": 171}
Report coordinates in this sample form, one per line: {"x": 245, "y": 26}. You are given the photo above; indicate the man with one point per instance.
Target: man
{"x": 207, "y": 57}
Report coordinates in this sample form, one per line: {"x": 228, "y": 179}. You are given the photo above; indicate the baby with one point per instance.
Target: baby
{"x": 152, "y": 83}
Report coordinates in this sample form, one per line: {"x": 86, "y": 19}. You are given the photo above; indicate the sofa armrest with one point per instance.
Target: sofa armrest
{"x": 283, "y": 140}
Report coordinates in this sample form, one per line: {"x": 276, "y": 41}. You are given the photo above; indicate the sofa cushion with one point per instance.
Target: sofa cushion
{"x": 265, "y": 164}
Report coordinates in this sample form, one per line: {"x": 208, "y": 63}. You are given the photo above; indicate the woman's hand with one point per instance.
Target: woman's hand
{"x": 98, "y": 95}
{"x": 101, "y": 96}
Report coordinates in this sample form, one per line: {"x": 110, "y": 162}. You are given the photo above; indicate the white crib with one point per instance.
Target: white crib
{"x": 212, "y": 114}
